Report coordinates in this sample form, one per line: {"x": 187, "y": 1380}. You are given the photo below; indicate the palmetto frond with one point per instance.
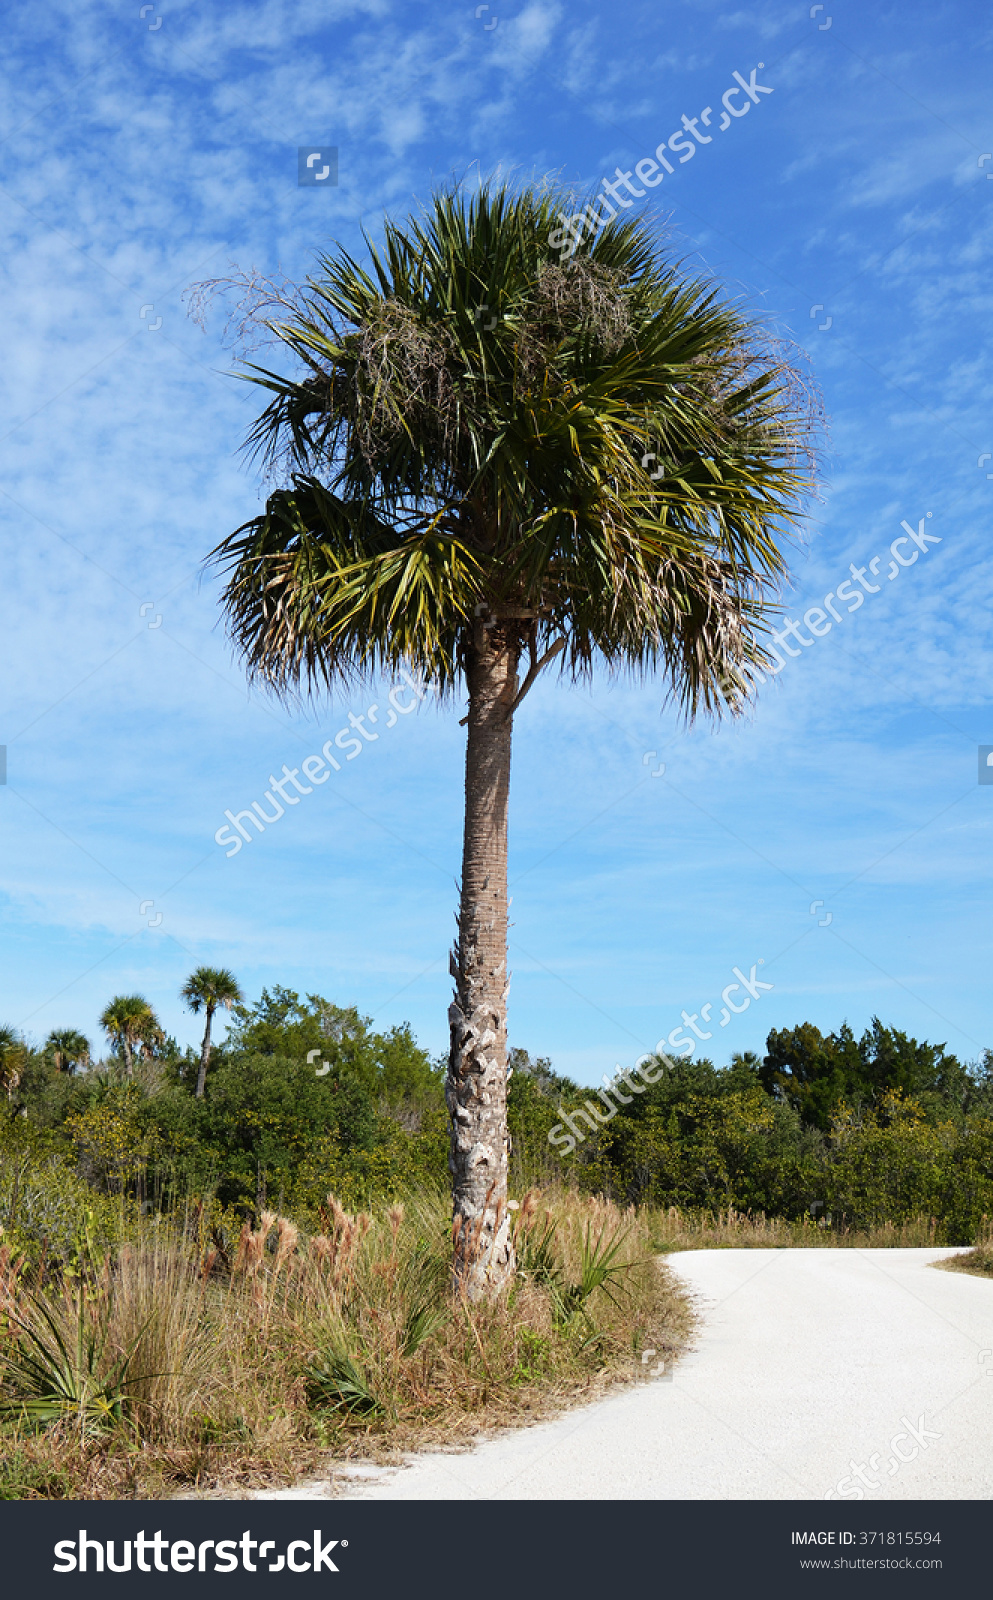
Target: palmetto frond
{"x": 607, "y": 453}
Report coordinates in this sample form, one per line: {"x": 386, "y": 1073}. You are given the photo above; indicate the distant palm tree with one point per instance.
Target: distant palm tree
{"x": 205, "y": 990}
{"x": 13, "y": 1055}
{"x": 129, "y": 1020}
{"x": 69, "y": 1048}
{"x": 488, "y": 459}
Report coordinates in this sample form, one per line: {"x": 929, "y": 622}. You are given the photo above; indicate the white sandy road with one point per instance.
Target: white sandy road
{"x": 809, "y": 1365}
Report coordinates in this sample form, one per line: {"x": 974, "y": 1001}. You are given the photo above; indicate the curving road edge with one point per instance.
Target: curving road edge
{"x": 823, "y": 1373}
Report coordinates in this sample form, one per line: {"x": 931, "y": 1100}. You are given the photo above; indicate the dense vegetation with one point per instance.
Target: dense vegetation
{"x": 880, "y": 1129}
{"x": 364, "y": 1117}
{"x": 221, "y": 1288}
{"x": 864, "y": 1132}
{"x": 185, "y": 1300}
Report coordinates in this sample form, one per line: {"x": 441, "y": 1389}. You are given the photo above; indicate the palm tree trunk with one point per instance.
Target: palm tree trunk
{"x": 476, "y": 1087}
{"x": 128, "y": 1059}
{"x": 204, "y": 1054}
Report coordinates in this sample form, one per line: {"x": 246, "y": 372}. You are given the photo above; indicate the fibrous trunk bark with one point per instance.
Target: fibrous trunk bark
{"x": 204, "y": 1056}
{"x": 476, "y": 1087}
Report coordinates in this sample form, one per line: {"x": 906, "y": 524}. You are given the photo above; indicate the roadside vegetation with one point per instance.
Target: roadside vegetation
{"x": 197, "y": 1356}
{"x": 979, "y": 1260}
{"x": 202, "y": 1292}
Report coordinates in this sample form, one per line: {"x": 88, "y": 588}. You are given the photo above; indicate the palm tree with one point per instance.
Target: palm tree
{"x": 69, "y": 1048}
{"x": 128, "y": 1021}
{"x": 208, "y": 988}
{"x": 13, "y": 1056}
{"x": 488, "y": 458}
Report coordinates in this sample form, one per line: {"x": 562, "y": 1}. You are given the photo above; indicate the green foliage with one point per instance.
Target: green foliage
{"x": 110, "y": 1147}
{"x": 336, "y": 1381}
{"x": 600, "y": 1268}
{"x": 749, "y": 1137}
{"x": 13, "y": 1056}
{"x": 891, "y": 1164}
{"x": 534, "y": 1357}
{"x": 130, "y": 1022}
{"x": 878, "y": 1130}
{"x": 813, "y": 1072}
{"x": 537, "y": 1258}
{"x": 46, "y": 1206}
{"x": 429, "y": 466}
{"x": 64, "y": 1367}
{"x": 533, "y": 1096}
{"x": 68, "y": 1048}
{"x": 210, "y": 987}
{"x": 24, "y": 1477}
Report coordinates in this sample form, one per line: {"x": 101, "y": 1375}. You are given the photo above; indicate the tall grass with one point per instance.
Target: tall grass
{"x": 676, "y": 1229}
{"x": 169, "y": 1364}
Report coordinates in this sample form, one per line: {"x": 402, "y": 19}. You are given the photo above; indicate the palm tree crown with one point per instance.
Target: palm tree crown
{"x": 605, "y": 449}
{"x": 487, "y": 457}
{"x": 129, "y": 1021}
{"x": 68, "y": 1047}
{"x": 210, "y": 987}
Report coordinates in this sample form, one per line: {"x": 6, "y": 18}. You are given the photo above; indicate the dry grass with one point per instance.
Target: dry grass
{"x": 707, "y": 1230}
{"x": 169, "y": 1370}
{"x": 978, "y": 1260}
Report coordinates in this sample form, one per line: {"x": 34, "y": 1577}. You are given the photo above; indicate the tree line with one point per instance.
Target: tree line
{"x": 131, "y": 1026}
{"x": 305, "y": 1096}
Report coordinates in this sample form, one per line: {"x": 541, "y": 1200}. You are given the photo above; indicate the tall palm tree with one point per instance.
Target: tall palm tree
{"x": 13, "y": 1056}
{"x": 488, "y": 459}
{"x": 129, "y": 1021}
{"x": 206, "y": 989}
{"x": 69, "y": 1048}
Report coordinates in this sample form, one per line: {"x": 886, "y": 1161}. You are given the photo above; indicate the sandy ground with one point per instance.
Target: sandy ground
{"x": 815, "y": 1374}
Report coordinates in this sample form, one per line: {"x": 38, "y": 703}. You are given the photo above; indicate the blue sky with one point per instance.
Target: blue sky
{"x": 851, "y": 206}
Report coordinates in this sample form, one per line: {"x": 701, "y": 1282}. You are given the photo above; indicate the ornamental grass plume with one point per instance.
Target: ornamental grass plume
{"x": 287, "y": 1237}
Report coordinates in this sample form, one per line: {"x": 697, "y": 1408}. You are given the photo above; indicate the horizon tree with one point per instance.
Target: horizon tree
{"x": 69, "y": 1048}
{"x": 487, "y": 458}
{"x": 129, "y": 1021}
{"x": 206, "y": 989}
